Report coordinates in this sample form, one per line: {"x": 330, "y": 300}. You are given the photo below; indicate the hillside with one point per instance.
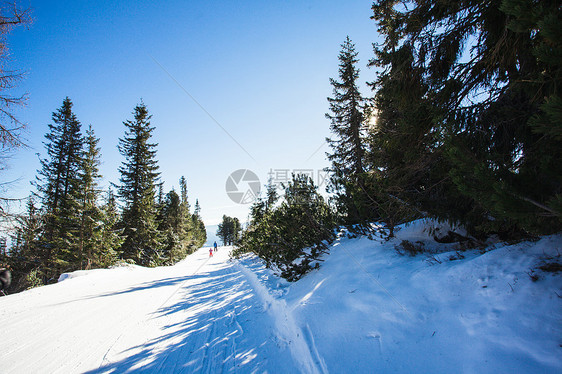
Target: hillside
{"x": 367, "y": 309}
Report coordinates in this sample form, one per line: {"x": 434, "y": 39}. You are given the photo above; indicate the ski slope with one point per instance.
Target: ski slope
{"x": 366, "y": 310}
{"x": 203, "y": 315}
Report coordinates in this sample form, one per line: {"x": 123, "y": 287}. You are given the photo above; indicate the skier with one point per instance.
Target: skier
{"x": 210, "y": 252}
{"x": 215, "y": 246}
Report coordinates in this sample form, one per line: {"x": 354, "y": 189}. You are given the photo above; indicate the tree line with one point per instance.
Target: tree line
{"x": 229, "y": 230}
{"x": 464, "y": 125}
{"x": 71, "y": 224}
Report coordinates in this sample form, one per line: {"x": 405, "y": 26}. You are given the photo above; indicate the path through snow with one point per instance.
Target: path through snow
{"x": 204, "y": 315}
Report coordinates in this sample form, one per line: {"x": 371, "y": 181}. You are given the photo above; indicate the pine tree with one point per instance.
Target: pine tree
{"x": 24, "y": 255}
{"x": 137, "y": 190}
{"x": 187, "y": 229}
{"x": 25, "y": 251}
{"x": 199, "y": 231}
{"x": 229, "y": 230}
{"x": 91, "y": 214}
{"x": 347, "y": 124}
{"x": 289, "y": 237}
{"x": 58, "y": 184}
{"x": 172, "y": 227}
{"x": 491, "y": 76}
{"x": 262, "y": 206}
{"x": 223, "y": 229}
{"x": 183, "y": 192}
{"x": 110, "y": 238}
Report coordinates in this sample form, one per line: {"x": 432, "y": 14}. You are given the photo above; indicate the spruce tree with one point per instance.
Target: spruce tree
{"x": 90, "y": 213}
{"x": 58, "y": 185}
{"x": 27, "y": 234}
{"x": 408, "y": 173}
{"x": 182, "y": 233}
{"x": 229, "y": 230}
{"x": 187, "y": 229}
{"x": 223, "y": 229}
{"x": 199, "y": 231}
{"x": 110, "y": 235}
{"x": 183, "y": 192}
{"x": 491, "y": 72}
{"x": 137, "y": 190}
{"x": 171, "y": 227}
{"x": 25, "y": 255}
{"x": 289, "y": 237}
{"x": 347, "y": 125}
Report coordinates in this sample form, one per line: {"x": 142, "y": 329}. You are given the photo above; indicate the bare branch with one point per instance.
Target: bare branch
{"x": 10, "y": 126}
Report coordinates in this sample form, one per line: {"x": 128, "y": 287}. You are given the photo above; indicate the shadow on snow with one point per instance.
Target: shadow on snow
{"x": 203, "y": 330}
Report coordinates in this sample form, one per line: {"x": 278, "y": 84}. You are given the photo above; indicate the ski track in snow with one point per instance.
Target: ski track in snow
{"x": 204, "y": 315}
{"x": 287, "y": 329}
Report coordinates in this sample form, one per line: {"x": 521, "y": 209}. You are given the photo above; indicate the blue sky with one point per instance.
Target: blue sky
{"x": 260, "y": 69}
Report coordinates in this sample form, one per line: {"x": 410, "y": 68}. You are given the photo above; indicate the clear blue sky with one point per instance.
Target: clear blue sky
{"x": 261, "y": 69}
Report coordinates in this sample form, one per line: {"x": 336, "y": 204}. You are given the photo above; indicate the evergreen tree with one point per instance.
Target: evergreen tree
{"x": 28, "y": 230}
{"x": 290, "y": 237}
{"x": 183, "y": 192}
{"x": 484, "y": 91}
{"x": 172, "y": 226}
{"x": 199, "y": 231}
{"x": 137, "y": 190}
{"x": 24, "y": 254}
{"x": 58, "y": 185}
{"x": 408, "y": 174}
{"x": 91, "y": 214}
{"x": 189, "y": 235}
{"x": 182, "y": 233}
{"x": 223, "y": 229}
{"x": 109, "y": 237}
{"x": 262, "y": 206}
{"x": 229, "y": 230}
{"x": 347, "y": 124}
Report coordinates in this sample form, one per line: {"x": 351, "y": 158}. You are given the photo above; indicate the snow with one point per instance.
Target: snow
{"x": 367, "y": 309}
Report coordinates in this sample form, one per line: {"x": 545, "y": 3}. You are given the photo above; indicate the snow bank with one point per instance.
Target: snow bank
{"x": 81, "y": 273}
{"x": 369, "y": 309}
{"x": 288, "y": 331}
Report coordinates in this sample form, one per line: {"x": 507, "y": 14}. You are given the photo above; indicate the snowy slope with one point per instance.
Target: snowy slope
{"x": 370, "y": 310}
{"x": 366, "y": 310}
{"x": 201, "y": 315}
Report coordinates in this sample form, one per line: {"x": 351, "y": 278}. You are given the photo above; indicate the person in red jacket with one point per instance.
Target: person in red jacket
{"x": 211, "y": 252}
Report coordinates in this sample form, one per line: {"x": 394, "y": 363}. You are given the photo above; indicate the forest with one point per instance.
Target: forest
{"x": 463, "y": 125}
{"x": 71, "y": 224}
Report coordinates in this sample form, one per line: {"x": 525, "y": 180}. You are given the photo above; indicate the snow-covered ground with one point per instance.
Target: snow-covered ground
{"x": 366, "y": 310}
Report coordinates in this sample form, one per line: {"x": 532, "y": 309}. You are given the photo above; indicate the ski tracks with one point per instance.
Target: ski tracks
{"x": 302, "y": 346}
{"x": 208, "y": 315}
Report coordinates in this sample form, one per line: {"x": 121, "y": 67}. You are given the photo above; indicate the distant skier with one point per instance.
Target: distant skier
{"x": 210, "y": 252}
{"x": 215, "y": 246}
{"x": 5, "y": 279}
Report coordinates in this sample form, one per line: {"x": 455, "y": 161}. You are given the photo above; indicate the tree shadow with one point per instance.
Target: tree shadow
{"x": 165, "y": 282}
{"x": 202, "y": 329}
